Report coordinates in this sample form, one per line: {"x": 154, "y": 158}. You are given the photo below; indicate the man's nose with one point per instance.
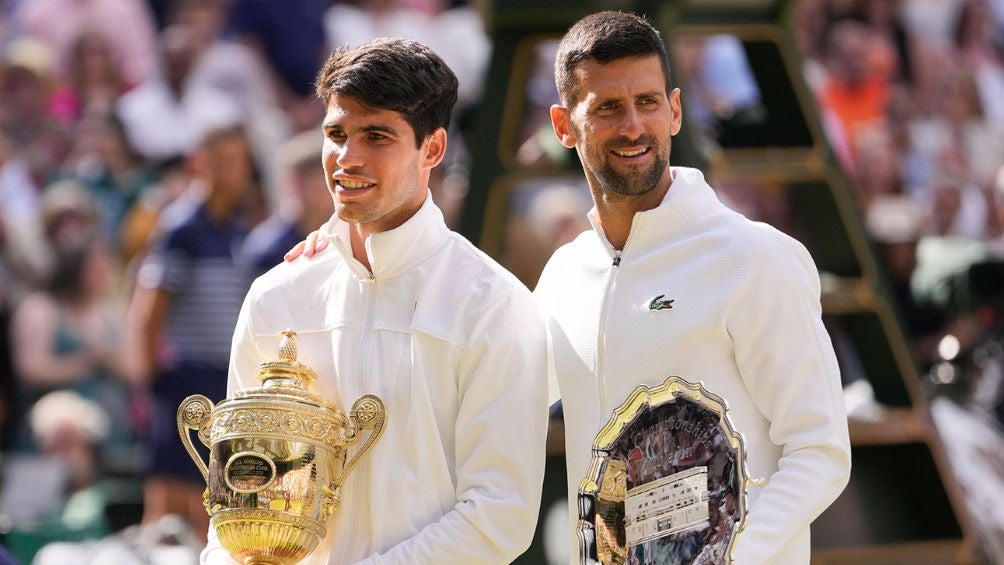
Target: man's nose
{"x": 631, "y": 126}
{"x": 349, "y": 155}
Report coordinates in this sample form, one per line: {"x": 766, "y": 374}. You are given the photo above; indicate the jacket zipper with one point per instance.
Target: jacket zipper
{"x": 362, "y": 366}
{"x": 601, "y": 337}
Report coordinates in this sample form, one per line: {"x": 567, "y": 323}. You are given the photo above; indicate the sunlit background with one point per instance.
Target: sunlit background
{"x": 872, "y": 131}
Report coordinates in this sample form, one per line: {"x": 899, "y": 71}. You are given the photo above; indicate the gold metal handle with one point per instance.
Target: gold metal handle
{"x": 368, "y": 413}
{"x": 195, "y": 413}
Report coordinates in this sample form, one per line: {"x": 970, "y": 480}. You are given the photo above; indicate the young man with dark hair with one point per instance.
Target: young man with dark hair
{"x": 671, "y": 282}
{"x": 411, "y": 312}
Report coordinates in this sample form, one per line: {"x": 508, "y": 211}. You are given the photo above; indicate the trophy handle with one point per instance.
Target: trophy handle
{"x": 195, "y": 413}
{"x": 367, "y": 412}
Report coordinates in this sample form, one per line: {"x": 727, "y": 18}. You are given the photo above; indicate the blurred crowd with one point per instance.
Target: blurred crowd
{"x": 911, "y": 93}
{"x": 156, "y": 156}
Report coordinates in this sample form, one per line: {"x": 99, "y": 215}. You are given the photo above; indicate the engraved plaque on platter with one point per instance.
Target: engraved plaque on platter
{"x": 667, "y": 482}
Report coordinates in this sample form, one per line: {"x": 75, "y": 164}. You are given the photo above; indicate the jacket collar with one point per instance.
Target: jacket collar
{"x": 393, "y": 252}
{"x": 687, "y": 203}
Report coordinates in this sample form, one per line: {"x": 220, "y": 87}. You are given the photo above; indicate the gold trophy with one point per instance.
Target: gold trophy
{"x": 278, "y": 457}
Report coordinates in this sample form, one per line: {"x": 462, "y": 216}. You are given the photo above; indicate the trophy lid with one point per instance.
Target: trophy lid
{"x": 286, "y": 371}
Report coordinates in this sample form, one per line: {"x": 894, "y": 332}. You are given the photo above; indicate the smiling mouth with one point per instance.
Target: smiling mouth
{"x": 634, "y": 153}
{"x": 354, "y": 185}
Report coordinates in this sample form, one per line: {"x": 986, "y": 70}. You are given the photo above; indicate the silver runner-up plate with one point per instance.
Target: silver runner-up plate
{"x": 667, "y": 482}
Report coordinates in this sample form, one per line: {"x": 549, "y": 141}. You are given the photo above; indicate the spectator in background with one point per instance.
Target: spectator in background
{"x": 948, "y": 245}
{"x": 305, "y": 204}
{"x": 126, "y": 24}
{"x": 57, "y": 495}
{"x": 980, "y": 41}
{"x": 26, "y": 115}
{"x": 23, "y": 255}
{"x": 68, "y": 428}
{"x": 878, "y": 172}
{"x": 956, "y": 207}
{"x": 894, "y": 223}
{"x": 453, "y": 29}
{"x": 94, "y": 79}
{"x": 854, "y": 92}
{"x": 289, "y": 37}
{"x": 189, "y": 291}
{"x": 951, "y": 125}
{"x": 68, "y": 335}
{"x": 542, "y": 219}
{"x": 233, "y": 70}
{"x": 166, "y": 116}
{"x": 113, "y": 174}
{"x": 172, "y": 182}
{"x": 893, "y": 44}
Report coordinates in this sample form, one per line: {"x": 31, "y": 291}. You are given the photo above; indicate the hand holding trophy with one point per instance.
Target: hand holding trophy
{"x": 278, "y": 457}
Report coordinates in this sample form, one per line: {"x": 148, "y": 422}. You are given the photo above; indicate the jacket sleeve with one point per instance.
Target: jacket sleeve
{"x": 787, "y": 363}
{"x": 500, "y": 430}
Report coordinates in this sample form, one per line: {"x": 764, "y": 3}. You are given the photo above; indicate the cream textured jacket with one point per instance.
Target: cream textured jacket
{"x": 744, "y": 320}
{"x": 454, "y": 346}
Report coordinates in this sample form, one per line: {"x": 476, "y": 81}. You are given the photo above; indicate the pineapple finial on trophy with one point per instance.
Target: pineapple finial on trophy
{"x": 286, "y": 371}
{"x": 287, "y": 347}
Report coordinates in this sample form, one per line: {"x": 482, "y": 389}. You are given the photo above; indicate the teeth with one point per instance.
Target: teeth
{"x": 631, "y": 153}
{"x": 354, "y": 184}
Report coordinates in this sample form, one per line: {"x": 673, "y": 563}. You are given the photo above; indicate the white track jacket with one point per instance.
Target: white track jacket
{"x": 454, "y": 346}
{"x": 744, "y": 319}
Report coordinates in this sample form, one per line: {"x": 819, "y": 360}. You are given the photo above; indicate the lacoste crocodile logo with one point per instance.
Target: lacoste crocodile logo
{"x": 658, "y": 303}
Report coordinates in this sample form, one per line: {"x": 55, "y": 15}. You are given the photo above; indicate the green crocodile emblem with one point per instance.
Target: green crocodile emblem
{"x": 658, "y": 303}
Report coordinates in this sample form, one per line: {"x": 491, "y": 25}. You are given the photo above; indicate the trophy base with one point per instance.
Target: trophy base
{"x": 267, "y": 537}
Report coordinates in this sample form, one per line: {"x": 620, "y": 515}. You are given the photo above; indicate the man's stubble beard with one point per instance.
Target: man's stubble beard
{"x": 631, "y": 184}
{"x": 634, "y": 183}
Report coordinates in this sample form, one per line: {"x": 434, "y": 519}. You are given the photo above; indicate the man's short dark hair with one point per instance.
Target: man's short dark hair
{"x": 393, "y": 74}
{"x": 605, "y": 37}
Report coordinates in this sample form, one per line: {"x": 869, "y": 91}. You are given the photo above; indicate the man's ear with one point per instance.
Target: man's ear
{"x": 435, "y": 148}
{"x": 677, "y": 108}
{"x": 561, "y": 120}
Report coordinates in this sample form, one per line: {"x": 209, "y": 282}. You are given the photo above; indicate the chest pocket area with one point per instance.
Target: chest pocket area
{"x": 392, "y": 373}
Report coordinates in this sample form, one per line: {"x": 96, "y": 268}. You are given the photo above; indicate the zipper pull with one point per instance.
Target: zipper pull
{"x": 617, "y": 258}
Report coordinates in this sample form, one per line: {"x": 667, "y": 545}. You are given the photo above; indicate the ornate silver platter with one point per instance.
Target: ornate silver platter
{"x": 667, "y": 482}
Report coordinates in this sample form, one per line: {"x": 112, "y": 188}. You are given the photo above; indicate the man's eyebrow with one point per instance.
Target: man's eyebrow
{"x": 382, "y": 128}
{"x": 598, "y": 101}
{"x": 379, "y": 128}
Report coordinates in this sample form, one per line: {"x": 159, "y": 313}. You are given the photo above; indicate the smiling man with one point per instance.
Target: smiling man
{"x": 671, "y": 282}
{"x": 411, "y": 312}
